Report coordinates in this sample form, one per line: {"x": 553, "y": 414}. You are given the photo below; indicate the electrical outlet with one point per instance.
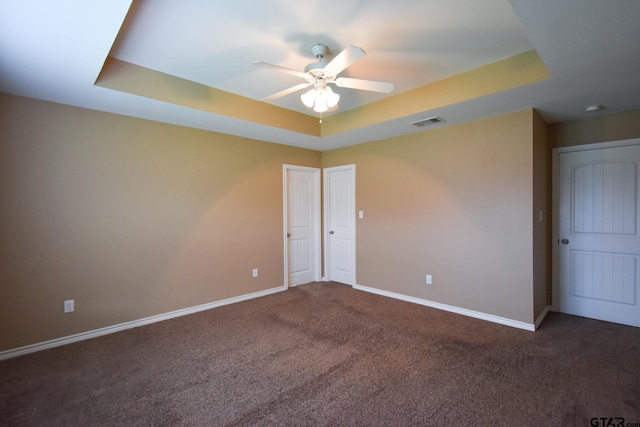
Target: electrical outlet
{"x": 255, "y": 272}
{"x": 429, "y": 279}
{"x": 69, "y": 306}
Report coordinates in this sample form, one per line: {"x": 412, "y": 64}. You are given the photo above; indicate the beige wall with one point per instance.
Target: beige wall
{"x": 608, "y": 127}
{"x": 454, "y": 202}
{"x": 542, "y": 216}
{"x": 131, "y": 218}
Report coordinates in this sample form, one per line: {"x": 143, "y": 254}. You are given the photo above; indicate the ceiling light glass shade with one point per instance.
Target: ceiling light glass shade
{"x": 321, "y": 104}
{"x": 331, "y": 97}
{"x": 308, "y": 98}
{"x": 320, "y": 98}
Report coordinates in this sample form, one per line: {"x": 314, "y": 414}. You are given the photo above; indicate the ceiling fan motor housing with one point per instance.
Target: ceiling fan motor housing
{"x": 316, "y": 69}
{"x": 319, "y": 50}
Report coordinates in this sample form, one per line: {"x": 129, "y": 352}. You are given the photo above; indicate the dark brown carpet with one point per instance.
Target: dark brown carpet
{"x": 325, "y": 354}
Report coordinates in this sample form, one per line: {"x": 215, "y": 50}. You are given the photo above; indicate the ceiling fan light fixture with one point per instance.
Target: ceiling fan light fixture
{"x": 321, "y": 105}
{"x": 320, "y": 98}
{"x": 308, "y": 98}
{"x": 330, "y": 96}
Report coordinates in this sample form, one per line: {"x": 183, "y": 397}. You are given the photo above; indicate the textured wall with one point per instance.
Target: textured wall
{"x": 454, "y": 202}
{"x": 600, "y": 128}
{"x": 131, "y": 218}
{"x": 542, "y": 216}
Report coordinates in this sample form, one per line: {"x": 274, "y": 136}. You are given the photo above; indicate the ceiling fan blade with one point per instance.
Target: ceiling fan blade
{"x": 345, "y": 58}
{"x": 286, "y": 92}
{"x": 281, "y": 69}
{"x": 370, "y": 85}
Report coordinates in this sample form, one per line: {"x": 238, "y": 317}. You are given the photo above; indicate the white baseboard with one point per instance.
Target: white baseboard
{"x": 452, "y": 309}
{"x": 7, "y": 354}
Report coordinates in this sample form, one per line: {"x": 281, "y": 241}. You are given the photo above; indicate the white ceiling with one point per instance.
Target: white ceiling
{"x": 56, "y": 50}
{"x": 213, "y": 43}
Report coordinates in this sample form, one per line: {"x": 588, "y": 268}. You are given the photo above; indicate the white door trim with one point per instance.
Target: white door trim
{"x": 555, "y": 279}
{"x": 326, "y": 213}
{"x": 316, "y": 214}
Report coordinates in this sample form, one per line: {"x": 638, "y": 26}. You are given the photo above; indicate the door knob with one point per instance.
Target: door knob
{"x": 288, "y": 234}
{"x": 564, "y": 241}
{"x": 331, "y": 232}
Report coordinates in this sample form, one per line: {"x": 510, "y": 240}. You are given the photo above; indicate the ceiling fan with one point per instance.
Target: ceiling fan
{"x": 320, "y": 73}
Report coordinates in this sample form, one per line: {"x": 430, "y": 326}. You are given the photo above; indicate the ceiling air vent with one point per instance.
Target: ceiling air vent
{"x": 429, "y": 121}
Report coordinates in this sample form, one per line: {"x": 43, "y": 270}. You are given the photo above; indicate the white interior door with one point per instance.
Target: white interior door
{"x": 302, "y": 224}
{"x": 340, "y": 224}
{"x": 598, "y": 196}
